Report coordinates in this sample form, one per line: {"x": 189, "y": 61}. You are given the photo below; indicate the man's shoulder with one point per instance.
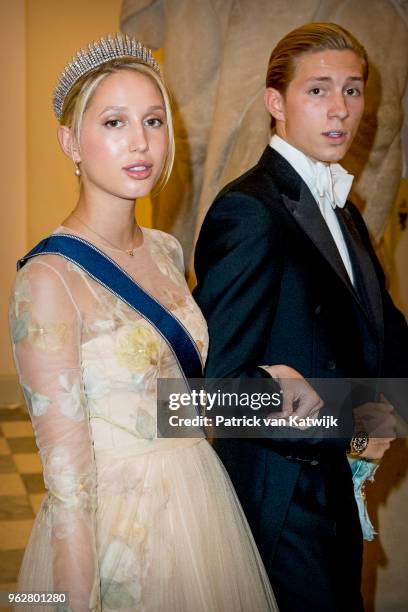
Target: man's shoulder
{"x": 255, "y": 183}
{"x": 253, "y": 193}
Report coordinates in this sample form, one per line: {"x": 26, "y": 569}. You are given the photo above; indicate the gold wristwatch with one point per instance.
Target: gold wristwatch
{"x": 358, "y": 443}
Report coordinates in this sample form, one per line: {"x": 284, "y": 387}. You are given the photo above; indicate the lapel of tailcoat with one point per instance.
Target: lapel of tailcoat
{"x": 300, "y": 202}
{"x": 364, "y": 271}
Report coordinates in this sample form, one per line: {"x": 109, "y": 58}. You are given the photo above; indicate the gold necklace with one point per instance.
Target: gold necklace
{"x": 130, "y": 252}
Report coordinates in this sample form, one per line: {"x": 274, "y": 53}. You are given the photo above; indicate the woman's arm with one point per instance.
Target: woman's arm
{"x": 45, "y": 325}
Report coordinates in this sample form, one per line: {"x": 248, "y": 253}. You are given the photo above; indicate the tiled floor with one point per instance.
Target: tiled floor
{"x": 21, "y": 490}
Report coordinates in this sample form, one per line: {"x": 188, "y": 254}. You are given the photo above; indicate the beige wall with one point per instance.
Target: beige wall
{"x": 38, "y": 187}
{"x": 55, "y": 31}
{"x": 12, "y": 163}
{"x": 396, "y": 249}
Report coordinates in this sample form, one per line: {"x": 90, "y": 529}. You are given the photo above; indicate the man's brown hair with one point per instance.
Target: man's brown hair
{"x": 309, "y": 38}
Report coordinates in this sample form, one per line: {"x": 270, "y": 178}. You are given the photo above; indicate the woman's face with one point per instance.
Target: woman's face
{"x": 123, "y": 138}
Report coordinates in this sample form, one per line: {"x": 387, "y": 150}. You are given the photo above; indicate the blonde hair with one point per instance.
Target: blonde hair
{"x": 309, "y": 38}
{"x": 80, "y": 96}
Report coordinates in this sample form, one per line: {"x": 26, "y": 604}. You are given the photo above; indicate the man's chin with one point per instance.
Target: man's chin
{"x": 333, "y": 156}
{"x": 329, "y": 154}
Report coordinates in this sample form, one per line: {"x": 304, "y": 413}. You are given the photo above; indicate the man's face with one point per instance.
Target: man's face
{"x": 323, "y": 104}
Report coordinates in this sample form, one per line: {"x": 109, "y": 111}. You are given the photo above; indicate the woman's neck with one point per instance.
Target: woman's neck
{"x": 113, "y": 221}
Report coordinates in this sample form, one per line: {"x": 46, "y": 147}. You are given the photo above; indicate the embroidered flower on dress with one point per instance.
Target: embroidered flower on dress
{"x": 123, "y": 588}
{"x": 22, "y": 291}
{"x": 19, "y": 326}
{"x": 126, "y": 527}
{"x": 97, "y": 386}
{"x": 69, "y": 489}
{"x": 72, "y": 401}
{"x": 145, "y": 424}
{"x": 138, "y": 349}
{"x": 115, "y": 595}
{"x": 36, "y": 402}
{"x": 49, "y": 336}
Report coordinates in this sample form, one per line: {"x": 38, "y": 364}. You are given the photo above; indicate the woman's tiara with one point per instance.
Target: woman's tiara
{"x": 98, "y": 53}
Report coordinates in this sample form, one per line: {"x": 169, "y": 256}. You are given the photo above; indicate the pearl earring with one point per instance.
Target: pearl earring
{"x": 77, "y": 170}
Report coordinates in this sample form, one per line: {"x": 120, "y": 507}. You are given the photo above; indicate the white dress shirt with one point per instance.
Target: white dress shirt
{"x": 330, "y": 185}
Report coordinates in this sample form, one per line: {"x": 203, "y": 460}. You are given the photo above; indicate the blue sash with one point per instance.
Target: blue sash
{"x": 106, "y": 272}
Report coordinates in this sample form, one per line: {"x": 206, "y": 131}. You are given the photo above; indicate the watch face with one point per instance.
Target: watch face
{"x": 360, "y": 441}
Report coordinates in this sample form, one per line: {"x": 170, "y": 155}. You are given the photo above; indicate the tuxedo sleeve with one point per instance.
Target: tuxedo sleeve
{"x": 239, "y": 260}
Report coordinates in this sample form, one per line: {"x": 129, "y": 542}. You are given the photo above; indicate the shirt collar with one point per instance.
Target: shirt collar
{"x": 311, "y": 171}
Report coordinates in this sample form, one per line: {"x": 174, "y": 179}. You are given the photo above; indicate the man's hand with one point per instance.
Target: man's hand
{"x": 298, "y": 396}
{"x": 378, "y": 420}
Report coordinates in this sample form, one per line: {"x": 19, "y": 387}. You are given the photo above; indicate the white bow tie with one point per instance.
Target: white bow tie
{"x": 333, "y": 183}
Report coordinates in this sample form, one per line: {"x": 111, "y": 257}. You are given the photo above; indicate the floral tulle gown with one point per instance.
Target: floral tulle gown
{"x": 130, "y": 522}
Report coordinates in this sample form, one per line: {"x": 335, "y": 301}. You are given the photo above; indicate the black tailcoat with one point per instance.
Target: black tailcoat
{"x": 274, "y": 290}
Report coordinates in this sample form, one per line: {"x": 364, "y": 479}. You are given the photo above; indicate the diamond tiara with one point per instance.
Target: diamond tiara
{"x": 98, "y": 53}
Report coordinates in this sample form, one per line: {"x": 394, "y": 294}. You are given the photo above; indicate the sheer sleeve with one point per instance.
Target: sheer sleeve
{"x": 45, "y": 324}
{"x": 177, "y": 255}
